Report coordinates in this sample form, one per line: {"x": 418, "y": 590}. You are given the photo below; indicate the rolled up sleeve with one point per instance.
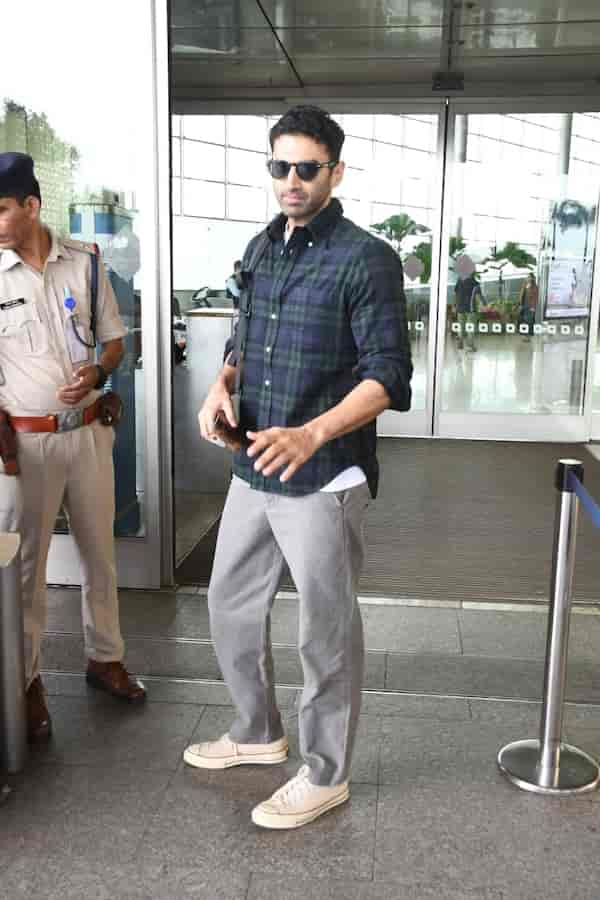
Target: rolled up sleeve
{"x": 378, "y": 320}
{"x": 110, "y": 325}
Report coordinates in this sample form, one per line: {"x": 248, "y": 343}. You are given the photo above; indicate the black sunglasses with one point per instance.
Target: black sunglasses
{"x": 306, "y": 171}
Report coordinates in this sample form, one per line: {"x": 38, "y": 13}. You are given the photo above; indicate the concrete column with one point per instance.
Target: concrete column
{"x": 564, "y": 152}
{"x": 461, "y": 138}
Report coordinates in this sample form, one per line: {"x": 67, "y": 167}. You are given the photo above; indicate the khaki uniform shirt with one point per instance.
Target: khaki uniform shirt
{"x": 35, "y": 355}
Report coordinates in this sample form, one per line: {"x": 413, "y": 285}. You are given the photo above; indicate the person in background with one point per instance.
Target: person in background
{"x": 468, "y": 296}
{"x": 233, "y": 285}
{"x": 528, "y": 301}
{"x": 50, "y": 390}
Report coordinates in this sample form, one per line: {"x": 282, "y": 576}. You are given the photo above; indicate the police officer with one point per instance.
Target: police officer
{"x": 49, "y": 386}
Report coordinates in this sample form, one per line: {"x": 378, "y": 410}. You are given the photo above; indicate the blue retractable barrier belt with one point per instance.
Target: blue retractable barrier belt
{"x": 587, "y": 501}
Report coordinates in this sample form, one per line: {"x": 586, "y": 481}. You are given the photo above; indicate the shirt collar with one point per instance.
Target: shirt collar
{"x": 319, "y": 227}
{"x": 57, "y": 248}
{"x": 9, "y": 258}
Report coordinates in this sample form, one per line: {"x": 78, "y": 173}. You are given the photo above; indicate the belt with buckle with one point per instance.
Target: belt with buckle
{"x": 66, "y": 420}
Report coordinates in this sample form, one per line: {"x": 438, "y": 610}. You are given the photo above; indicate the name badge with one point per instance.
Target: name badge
{"x": 9, "y": 304}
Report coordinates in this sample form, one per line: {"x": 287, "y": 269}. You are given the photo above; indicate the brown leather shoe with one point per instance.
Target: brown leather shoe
{"x": 39, "y": 724}
{"x": 114, "y": 678}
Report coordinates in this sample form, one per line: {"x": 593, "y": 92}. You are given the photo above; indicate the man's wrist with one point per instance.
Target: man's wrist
{"x": 225, "y": 381}
{"x": 317, "y": 432}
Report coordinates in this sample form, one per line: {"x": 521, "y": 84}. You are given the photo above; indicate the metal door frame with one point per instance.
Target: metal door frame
{"x": 146, "y": 562}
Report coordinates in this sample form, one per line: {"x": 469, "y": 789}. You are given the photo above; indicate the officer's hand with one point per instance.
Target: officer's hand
{"x": 278, "y": 447}
{"x": 217, "y": 404}
{"x": 85, "y": 379}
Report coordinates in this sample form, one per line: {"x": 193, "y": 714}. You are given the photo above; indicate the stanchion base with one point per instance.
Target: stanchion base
{"x": 577, "y": 774}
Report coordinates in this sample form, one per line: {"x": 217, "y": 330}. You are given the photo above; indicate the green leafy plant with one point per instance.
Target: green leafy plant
{"x": 397, "y": 228}
{"x": 572, "y": 214}
{"x": 511, "y": 253}
{"x": 423, "y": 252}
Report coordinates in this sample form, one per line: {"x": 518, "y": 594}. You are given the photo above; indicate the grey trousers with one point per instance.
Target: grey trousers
{"x": 320, "y": 536}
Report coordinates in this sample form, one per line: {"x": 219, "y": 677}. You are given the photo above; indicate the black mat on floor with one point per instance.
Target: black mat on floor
{"x": 462, "y": 520}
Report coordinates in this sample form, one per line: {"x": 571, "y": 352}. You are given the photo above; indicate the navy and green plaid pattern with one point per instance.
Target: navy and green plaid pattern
{"x": 327, "y": 311}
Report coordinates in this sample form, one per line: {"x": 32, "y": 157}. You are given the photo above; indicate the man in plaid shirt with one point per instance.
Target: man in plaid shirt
{"x": 326, "y": 351}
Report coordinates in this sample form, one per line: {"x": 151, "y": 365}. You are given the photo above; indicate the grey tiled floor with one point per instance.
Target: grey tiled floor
{"x": 108, "y": 810}
{"x": 410, "y": 649}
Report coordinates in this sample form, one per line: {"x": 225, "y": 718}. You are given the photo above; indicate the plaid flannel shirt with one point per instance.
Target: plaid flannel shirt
{"x": 327, "y": 311}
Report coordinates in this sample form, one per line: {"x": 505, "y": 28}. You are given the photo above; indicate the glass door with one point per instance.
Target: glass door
{"x": 518, "y": 300}
{"x": 393, "y": 187}
{"x": 91, "y": 126}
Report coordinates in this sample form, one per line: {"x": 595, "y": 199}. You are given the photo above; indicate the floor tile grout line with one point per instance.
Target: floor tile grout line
{"x": 373, "y": 860}
{"x": 250, "y": 877}
{"x": 152, "y": 815}
{"x": 197, "y": 725}
{"x": 461, "y": 643}
{"x": 366, "y": 691}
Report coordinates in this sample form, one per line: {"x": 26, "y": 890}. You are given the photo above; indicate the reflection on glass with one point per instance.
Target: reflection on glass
{"x": 520, "y": 264}
{"x": 86, "y": 148}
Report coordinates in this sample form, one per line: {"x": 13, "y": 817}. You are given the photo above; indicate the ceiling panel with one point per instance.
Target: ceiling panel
{"x": 360, "y": 43}
{"x": 251, "y": 74}
{"x": 521, "y": 11}
{"x": 528, "y": 70}
{"x": 353, "y": 13}
{"x": 566, "y": 37}
{"x": 232, "y": 44}
{"x": 361, "y": 72}
{"x": 223, "y": 44}
{"x": 216, "y": 14}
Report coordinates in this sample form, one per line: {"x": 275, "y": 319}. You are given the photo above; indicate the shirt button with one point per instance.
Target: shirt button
{"x": 310, "y": 243}
{"x": 267, "y": 383}
{"x": 273, "y": 315}
{"x": 267, "y": 349}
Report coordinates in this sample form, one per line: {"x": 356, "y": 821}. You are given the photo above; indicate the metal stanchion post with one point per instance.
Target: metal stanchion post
{"x": 13, "y": 726}
{"x": 548, "y": 766}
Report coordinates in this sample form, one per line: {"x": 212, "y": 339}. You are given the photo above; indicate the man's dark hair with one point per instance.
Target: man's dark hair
{"x": 313, "y": 122}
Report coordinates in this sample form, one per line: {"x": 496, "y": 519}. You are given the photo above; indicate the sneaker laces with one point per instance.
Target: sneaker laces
{"x": 294, "y": 789}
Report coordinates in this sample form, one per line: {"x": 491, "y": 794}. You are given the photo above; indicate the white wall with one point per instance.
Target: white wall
{"x": 204, "y": 250}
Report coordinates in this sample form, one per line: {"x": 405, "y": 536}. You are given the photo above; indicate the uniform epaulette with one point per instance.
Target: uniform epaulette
{"x": 82, "y": 246}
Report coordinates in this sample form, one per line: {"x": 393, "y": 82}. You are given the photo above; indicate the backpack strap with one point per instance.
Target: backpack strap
{"x": 241, "y": 334}
{"x": 94, "y": 290}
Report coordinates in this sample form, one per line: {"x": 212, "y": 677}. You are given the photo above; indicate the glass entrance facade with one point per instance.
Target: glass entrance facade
{"x": 498, "y": 268}
{"x": 520, "y": 245}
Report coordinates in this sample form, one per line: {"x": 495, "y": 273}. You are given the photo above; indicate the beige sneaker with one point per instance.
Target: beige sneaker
{"x": 224, "y": 753}
{"x": 298, "y": 802}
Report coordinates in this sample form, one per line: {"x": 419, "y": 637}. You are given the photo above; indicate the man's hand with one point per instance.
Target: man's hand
{"x": 217, "y": 406}
{"x": 278, "y": 447}
{"x": 85, "y": 379}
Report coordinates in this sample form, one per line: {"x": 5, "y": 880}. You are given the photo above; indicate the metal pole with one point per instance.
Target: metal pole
{"x": 13, "y": 725}
{"x": 547, "y": 765}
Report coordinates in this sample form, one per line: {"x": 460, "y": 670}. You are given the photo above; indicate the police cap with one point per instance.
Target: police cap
{"x": 16, "y": 176}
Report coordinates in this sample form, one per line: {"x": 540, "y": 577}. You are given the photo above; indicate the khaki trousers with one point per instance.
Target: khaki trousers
{"x": 320, "y": 536}
{"x": 75, "y": 468}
